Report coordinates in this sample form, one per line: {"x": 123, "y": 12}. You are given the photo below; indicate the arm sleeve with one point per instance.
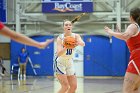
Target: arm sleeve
{"x": 1, "y": 25}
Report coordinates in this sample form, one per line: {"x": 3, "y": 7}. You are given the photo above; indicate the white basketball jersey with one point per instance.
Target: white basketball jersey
{"x": 69, "y": 52}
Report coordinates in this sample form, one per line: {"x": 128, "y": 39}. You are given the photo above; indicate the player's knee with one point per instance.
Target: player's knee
{"x": 127, "y": 90}
{"x": 73, "y": 86}
{"x": 65, "y": 86}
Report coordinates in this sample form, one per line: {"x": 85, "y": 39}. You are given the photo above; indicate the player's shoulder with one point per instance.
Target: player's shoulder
{"x": 60, "y": 36}
{"x": 133, "y": 26}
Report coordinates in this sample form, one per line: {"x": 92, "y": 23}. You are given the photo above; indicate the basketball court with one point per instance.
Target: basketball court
{"x": 51, "y": 85}
{"x": 100, "y": 66}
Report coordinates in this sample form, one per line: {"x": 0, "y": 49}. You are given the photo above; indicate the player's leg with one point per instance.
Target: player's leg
{"x": 72, "y": 79}
{"x": 130, "y": 83}
{"x": 137, "y": 85}
{"x": 73, "y": 83}
{"x": 64, "y": 83}
{"x": 59, "y": 68}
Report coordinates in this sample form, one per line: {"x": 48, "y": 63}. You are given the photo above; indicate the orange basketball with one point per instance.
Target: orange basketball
{"x": 69, "y": 42}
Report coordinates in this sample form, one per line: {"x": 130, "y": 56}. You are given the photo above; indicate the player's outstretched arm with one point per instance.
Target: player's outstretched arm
{"x": 22, "y": 38}
{"x": 130, "y": 31}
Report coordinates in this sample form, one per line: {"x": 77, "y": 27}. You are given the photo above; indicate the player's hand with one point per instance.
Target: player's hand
{"x": 107, "y": 29}
{"x": 117, "y": 29}
{"x": 42, "y": 45}
{"x": 77, "y": 43}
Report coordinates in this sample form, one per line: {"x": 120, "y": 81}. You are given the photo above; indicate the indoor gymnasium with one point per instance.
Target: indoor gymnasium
{"x": 69, "y": 46}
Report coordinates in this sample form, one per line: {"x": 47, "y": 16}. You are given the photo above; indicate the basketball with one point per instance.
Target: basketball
{"x": 69, "y": 42}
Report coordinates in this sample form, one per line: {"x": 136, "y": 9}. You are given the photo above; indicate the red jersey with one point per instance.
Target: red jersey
{"x": 1, "y": 25}
{"x": 133, "y": 43}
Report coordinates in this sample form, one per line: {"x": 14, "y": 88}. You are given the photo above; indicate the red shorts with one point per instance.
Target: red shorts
{"x": 134, "y": 63}
{"x": 1, "y": 25}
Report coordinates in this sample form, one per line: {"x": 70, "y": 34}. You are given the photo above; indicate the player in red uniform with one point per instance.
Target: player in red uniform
{"x": 22, "y": 38}
{"x": 132, "y": 38}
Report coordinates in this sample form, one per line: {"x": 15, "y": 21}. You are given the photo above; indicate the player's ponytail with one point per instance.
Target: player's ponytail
{"x": 77, "y": 18}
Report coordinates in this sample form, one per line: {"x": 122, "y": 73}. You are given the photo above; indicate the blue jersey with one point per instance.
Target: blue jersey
{"x": 23, "y": 57}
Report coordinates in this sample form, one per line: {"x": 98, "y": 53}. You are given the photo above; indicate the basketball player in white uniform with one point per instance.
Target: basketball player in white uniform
{"x": 63, "y": 64}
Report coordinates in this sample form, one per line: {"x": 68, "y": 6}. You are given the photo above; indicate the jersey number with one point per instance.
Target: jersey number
{"x": 69, "y": 52}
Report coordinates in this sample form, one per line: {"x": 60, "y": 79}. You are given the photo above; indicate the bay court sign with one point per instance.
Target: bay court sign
{"x": 67, "y": 6}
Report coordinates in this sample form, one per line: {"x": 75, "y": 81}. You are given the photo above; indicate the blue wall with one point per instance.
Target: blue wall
{"x": 44, "y": 58}
{"x": 119, "y": 56}
{"x": 106, "y": 59}
{"x": 101, "y": 58}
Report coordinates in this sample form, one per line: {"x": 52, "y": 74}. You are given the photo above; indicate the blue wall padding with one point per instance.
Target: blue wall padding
{"x": 101, "y": 57}
{"x": 106, "y": 58}
{"x": 119, "y": 56}
{"x": 88, "y": 59}
{"x": 44, "y": 59}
